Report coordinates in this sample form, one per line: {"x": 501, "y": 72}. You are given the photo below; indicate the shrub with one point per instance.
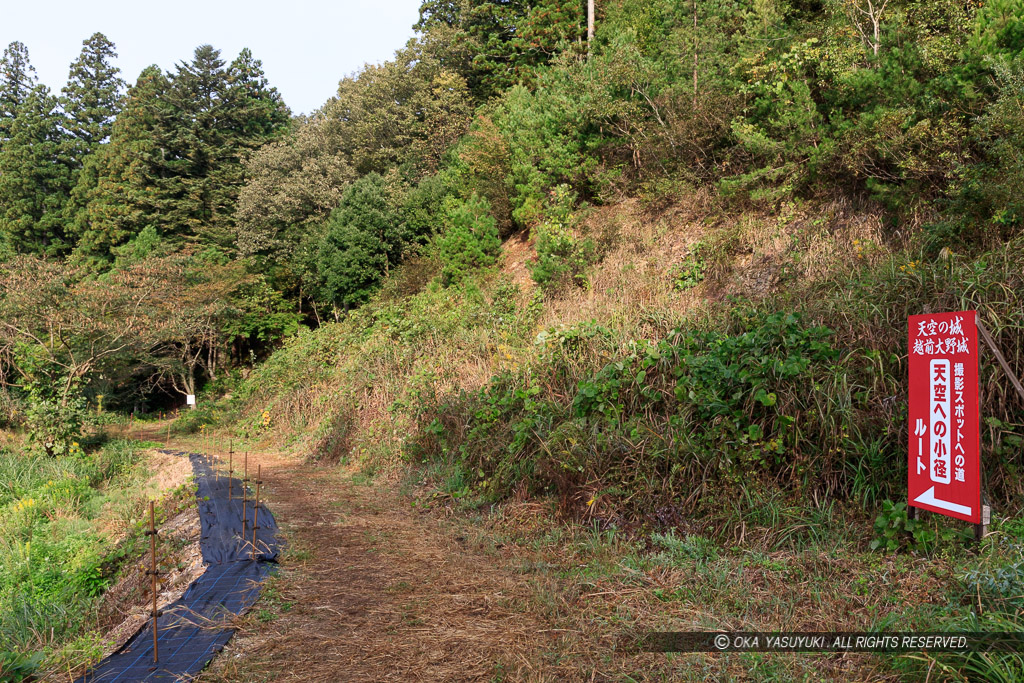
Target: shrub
{"x": 470, "y": 240}
{"x": 55, "y": 426}
{"x": 561, "y": 256}
{"x": 691, "y": 271}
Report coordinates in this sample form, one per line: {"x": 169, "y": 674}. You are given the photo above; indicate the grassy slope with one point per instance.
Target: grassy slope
{"x": 67, "y": 528}
{"x": 457, "y": 387}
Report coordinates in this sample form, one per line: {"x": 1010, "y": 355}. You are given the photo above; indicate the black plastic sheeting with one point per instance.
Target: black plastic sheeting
{"x": 193, "y": 629}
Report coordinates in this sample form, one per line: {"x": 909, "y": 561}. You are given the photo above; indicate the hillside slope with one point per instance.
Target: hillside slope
{"x": 714, "y": 391}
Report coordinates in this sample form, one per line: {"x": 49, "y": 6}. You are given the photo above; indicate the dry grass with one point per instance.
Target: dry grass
{"x": 343, "y": 405}
{"x": 370, "y": 590}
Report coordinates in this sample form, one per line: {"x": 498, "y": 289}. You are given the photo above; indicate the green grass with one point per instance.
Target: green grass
{"x": 55, "y": 562}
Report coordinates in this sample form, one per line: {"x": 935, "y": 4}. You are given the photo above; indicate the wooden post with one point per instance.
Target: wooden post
{"x": 167, "y": 441}
{"x": 231, "y": 456}
{"x": 245, "y": 492}
{"x": 153, "y": 575}
{"x": 981, "y": 530}
{"x": 256, "y": 510}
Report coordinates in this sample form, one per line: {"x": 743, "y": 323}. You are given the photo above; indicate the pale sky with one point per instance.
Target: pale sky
{"x": 306, "y": 46}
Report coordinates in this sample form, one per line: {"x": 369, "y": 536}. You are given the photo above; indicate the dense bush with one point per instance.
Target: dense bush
{"x": 561, "y": 254}
{"x": 696, "y": 407}
{"x": 470, "y": 239}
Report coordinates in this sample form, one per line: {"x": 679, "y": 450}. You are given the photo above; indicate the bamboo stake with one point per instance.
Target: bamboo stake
{"x": 1001, "y": 358}
{"x": 245, "y": 491}
{"x": 153, "y": 574}
{"x": 256, "y": 510}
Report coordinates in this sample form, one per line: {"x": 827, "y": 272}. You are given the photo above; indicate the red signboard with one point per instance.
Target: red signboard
{"x": 944, "y": 458}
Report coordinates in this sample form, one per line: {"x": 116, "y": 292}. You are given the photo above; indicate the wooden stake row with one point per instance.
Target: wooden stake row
{"x": 154, "y": 574}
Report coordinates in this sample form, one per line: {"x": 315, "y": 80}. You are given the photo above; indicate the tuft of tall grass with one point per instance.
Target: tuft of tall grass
{"x": 52, "y": 555}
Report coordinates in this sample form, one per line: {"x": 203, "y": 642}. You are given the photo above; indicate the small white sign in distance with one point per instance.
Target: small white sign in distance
{"x": 190, "y": 399}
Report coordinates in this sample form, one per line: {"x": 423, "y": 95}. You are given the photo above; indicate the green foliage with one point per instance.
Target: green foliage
{"x": 423, "y": 208}
{"x": 53, "y": 561}
{"x": 999, "y": 29}
{"x": 362, "y": 240}
{"x": 55, "y": 426}
{"x": 499, "y": 44}
{"x": 93, "y": 94}
{"x": 205, "y": 415}
{"x": 470, "y": 240}
{"x": 264, "y": 315}
{"x": 116, "y": 196}
{"x": 1000, "y": 586}
{"x": 561, "y": 256}
{"x": 692, "y": 270}
{"x": 991, "y": 193}
{"x": 174, "y": 160}
{"x": 894, "y": 530}
{"x": 35, "y": 177}
{"x": 17, "y": 80}
{"x": 682, "y": 551}
{"x": 401, "y": 116}
{"x": 732, "y": 406}
{"x": 544, "y": 134}
{"x": 15, "y": 667}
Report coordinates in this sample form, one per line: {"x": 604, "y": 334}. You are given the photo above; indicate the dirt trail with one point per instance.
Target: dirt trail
{"x": 372, "y": 590}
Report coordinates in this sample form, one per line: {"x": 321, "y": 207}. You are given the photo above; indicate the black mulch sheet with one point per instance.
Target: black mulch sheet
{"x": 196, "y": 627}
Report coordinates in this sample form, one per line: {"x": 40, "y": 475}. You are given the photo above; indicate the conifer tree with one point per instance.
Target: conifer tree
{"x": 254, "y": 114}
{"x": 17, "y": 79}
{"x": 35, "y": 177}
{"x": 220, "y": 113}
{"x": 93, "y": 95}
{"x": 195, "y": 141}
{"x": 174, "y": 161}
{"x": 118, "y": 192}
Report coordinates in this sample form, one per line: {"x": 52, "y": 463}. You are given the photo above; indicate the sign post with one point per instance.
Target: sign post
{"x": 944, "y": 466}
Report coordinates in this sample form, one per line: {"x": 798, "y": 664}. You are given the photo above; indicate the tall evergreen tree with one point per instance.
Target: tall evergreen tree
{"x": 35, "y": 177}
{"x": 174, "y": 161}
{"x": 195, "y": 141}
{"x": 117, "y": 192}
{"x": 220, "y": 113}
{"x": 93, "y": 95}
{"x": 17, "y": 79}
{"x": 254, "y": 114}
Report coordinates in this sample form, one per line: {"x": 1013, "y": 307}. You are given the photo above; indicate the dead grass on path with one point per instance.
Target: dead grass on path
{"x": 371, "y": 591}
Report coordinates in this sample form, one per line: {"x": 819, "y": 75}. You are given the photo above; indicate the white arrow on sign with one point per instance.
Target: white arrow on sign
{"x": 928, "y": 498}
